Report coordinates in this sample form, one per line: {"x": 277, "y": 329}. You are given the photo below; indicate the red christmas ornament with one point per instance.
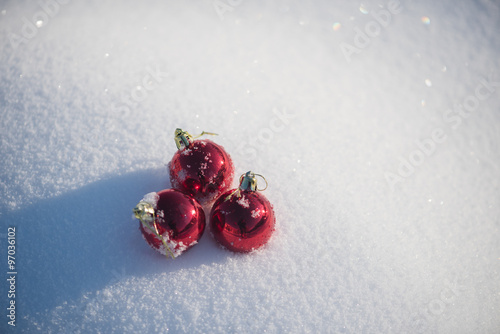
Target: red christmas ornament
{"x": 171, "y": 221}
{"x": 242, "y": 219}
{"x": 200, "y": 168}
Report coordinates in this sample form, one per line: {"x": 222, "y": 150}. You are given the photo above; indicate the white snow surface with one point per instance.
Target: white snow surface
{"x": 385, "y": 189}
{"x": 152, "y": 198}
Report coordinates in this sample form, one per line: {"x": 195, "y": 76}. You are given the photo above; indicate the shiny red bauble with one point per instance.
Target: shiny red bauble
{"x": 201, "y": 168}
{"x": 174, "y": 220}
{"x": 242, "y": 220}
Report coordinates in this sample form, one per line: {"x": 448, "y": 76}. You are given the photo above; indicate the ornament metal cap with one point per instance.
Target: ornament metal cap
{"x": 145, "y": 212}
{"x": 248, "y": 181}
{"x": 182, "y": 137}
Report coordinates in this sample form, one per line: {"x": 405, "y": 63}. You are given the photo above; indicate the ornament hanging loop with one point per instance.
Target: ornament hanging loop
{"x": 182, "y": 137}
{"x": 263, "y": 178}
{"x": 205, "y": 133}
{"x": 248, "y": 181}
{"x": 145, "y": 212}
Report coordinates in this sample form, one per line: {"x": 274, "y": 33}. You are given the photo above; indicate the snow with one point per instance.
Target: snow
{"x": 255, "y": 213}
{"x": 175, "y": 248}
{"x": 376, "y": 125}
{"x": 243, "y": 202}
{"x": 151, "y": 198}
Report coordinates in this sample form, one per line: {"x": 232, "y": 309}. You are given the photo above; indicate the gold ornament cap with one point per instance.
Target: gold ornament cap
{"x": 145, "y": 212}
{"x": 248, "y": 181}
{"x": 184, "y": 139}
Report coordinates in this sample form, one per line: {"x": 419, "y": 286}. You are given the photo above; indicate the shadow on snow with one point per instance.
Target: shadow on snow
{"x": 86, "y": 239}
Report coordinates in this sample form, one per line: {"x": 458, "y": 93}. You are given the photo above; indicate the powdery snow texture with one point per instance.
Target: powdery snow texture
{"x": 375, "y": 124}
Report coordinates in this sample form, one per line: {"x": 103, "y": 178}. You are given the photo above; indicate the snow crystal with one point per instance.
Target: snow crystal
{"x": 175, "y": 248}
{"x": 151, "y": 198}
{"x": 243, "y": 201}
{"x": 161, "y": 215}
{"x": 182, "y": 175}
{"x": 255, "y": 213}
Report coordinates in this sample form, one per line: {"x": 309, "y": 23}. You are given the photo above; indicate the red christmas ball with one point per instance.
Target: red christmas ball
{"x": 171, "y": 221}
{"x": 200, "y": 168}
{"x": 242, "y": 219}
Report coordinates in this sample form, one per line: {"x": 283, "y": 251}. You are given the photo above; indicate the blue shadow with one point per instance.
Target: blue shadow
{"x": 86, "y": 239}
